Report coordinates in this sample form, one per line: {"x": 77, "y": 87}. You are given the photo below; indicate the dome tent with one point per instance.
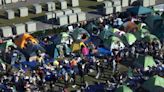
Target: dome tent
{"x": 106, "y": 33}
{"x": 78, "y": 33}
{"x": 113, "y": 42}
{"x": 154, "y": 84}
{"x": 128, "y": 38}
{"x": 145, "y": 62}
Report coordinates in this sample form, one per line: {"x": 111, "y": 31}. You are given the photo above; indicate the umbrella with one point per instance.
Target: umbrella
{"x": 112, "y": 43}
{"x": 123, "y": 88}
{"x": 145, "y": 61}
{"x": 128, "y": 38}
{"x": 139, "y": 10}
{"x": 154, "y": 84}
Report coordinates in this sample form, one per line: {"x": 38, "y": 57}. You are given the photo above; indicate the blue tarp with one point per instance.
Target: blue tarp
{"x": 104, "y": 51}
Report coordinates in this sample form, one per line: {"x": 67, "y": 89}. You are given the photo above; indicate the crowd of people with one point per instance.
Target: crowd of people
{"x": 71, "y": 67}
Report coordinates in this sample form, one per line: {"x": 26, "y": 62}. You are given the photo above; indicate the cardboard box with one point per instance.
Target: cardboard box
{"x": 76, "y": 10}
{"x": 67, "y": 11}
{"x": 118, "y": 9}
{"x": 107, "y": 4}
{"x": 37, "y": 8}
{"x": 19, "y": 28}
{"x": 125, "y": 3}
{"x": 51, "y": 6}
{"x": 10, "y": 14}
{"x": 6, "y": 31}
{"x": 72, "y": 18}
{"x": 116, "y": 2}
{"x": 50, "y": 15}
{"x": 74, "y": 3}
{"x": 23, "y": 11}
{"x": 108, "y": 10}
{"x": 31, "y": 26}
{"x": 62, "y": 20}
{"x": 63, "y": 4}
{"x": 81, "y": 16}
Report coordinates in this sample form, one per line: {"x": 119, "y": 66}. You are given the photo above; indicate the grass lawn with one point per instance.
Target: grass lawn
{"x": 85, "y": 5}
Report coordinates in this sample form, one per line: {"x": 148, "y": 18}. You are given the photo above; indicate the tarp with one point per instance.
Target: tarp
{"x": 104, "y": 51}
{"x": 154, "y": 22}
{"x": 123, "y": 88}
{"x": 154, "y": 84}
{"x": 78, "y": 32}
{"x": 21, "y": 40}
{"x": 112, "y": 43}
{"x": 128, "y": 38}
{"x": 139, "y": 10}
{"x": 145, "y": 61}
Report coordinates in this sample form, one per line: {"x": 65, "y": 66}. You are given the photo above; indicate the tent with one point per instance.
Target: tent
{"x": 123, "y": 88}
{"x": 154, "y": 22}
{"x": 154, "y": 84}
{"x": 78, "y": 33}
{"x": 141, "y": 33}
{"x": 66, "y": 38}
{"x": 3, "y": 46}
{"x": 145, "y": 62}
{"x": 112, "y": 43}
{"x": 75, "y": 47}
{"x": 150, "y": 38}
{"x": 128, "y": 38}
{"x": 21, "y": 40}
{"x": 130, "y": 26}
{"x": 106, "y": 33}
{"x": 139, "y": 10}
{"x": 90, "y": 27}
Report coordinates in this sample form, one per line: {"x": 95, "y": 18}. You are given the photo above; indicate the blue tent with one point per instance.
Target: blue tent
{"x": 139, "y": 10}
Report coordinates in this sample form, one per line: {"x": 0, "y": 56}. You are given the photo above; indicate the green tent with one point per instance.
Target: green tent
{"x": 112, "y": 41}
{"x": 139, "y": 10}
{"x": 123, "y": 88}
{"x": 154, "y": 22}
{"x": 6, "y": 44}
{"x": 145, "y": 61}
{"x": 106, "y": 33}
{"x": 78, "y": 32}
{"x": 150, "y": 38}
{"x": 141, "y": 33}
{"x": 154, "y": 84}
{"x": 90, "y": 27}
{"x": 128, "y": 38}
